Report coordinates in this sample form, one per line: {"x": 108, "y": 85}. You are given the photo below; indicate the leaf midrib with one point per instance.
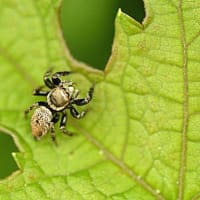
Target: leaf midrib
{"x": 119, "y": 163}
{"x": 182, "y": 169}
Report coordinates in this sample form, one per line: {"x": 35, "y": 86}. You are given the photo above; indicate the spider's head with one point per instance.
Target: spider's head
{"x": 60, "y": 97}
{"x": 69, "y": 87}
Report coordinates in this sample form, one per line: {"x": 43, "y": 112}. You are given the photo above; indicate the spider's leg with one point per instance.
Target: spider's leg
{"x": 76, "y": 93}
{"x": 63, "y": 124}
{"x": 47, "y": 80}
{"x": 55, "y": 118}
{"x": 52, "y": 132}
{"x": 39, "y": 92}
{"x": 35, "y": 105}
{"x": 55, "y": 77}
{"x": 76, "y": 114}
{"x": 86, "y": 100}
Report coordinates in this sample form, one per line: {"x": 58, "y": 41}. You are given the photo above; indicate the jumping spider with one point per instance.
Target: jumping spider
{"x": 62, "y": 96}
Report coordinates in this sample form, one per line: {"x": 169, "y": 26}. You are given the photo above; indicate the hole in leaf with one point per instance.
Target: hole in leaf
{"x": 8, "y": 164}
{"x": 88, "y": 27}
{"x": 133, "y": 8}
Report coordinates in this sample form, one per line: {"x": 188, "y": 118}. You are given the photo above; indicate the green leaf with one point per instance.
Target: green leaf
{"x": 139, "y": 139}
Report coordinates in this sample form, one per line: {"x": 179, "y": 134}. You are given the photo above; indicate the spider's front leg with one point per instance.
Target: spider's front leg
{"x": 63, "y": 123}
{"x": 55, "y": 77}
{"x": 47, "y": 80}
{"x": 39, "y": 92}
{"x": 87, "y": 99}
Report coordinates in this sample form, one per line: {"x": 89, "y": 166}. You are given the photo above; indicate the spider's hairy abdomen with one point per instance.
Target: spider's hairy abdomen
{"x": 41, "y": 121}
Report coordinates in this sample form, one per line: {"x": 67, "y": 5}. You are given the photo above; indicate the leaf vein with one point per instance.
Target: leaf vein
{"x": 182, "y": 169}
{"x": 120, "y": 164}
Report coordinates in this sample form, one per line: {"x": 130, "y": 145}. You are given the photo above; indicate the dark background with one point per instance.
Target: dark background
{"x": 88, "y": 29}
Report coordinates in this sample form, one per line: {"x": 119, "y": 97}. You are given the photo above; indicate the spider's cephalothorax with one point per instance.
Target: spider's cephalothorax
{"x": 62, "y": 96}
{"x": 59, "y": 97}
